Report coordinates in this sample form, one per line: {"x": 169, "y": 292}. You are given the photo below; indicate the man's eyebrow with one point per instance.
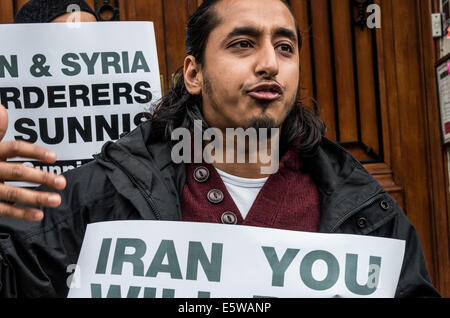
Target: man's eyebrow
{"x": 245, "y": 30}
{"x": 286, "y": 33}
{"x": 255, "y": 32}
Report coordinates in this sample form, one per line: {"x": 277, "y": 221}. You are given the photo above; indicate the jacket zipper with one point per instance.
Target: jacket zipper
{"x": 142, "y": 190}
{"x": 364, "y": 205}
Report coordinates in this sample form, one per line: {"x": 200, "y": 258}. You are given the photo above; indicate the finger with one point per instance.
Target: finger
{"x": 31, "y": 197}
{"x": 3, "y": 121}
{"x": 11, "y": 149}
{"x": 20, "y": 172}
{"x": 10, "y": 211}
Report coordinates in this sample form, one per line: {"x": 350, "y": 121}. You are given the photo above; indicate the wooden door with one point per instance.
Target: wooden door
{"x": 374, "y": 88}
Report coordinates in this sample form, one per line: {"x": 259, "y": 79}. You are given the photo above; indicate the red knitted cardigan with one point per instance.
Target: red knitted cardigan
{"x": 288, "y": 200}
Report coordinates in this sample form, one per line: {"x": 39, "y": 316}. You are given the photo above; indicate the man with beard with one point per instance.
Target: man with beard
{"x": 242, "y": 70}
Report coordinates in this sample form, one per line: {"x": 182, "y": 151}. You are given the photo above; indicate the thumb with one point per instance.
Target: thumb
{"x": 3, "y": 121}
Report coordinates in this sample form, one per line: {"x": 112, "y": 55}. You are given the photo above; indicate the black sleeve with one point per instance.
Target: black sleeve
{"x": 414, "y": 278}
{"x": 35, "y": 256}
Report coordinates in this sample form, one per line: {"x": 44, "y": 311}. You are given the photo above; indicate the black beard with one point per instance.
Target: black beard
{"x": 263, "y": 122}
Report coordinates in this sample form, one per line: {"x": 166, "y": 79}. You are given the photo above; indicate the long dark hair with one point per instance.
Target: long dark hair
{"x": 180, "y": 109}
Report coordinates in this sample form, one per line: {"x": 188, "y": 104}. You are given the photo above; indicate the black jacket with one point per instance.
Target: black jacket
{"x": 134, "y": 179}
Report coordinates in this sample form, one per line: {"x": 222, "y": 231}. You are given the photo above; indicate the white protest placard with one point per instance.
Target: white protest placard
{"x": 72, "y": 87}
{"x": 151, "y": 259}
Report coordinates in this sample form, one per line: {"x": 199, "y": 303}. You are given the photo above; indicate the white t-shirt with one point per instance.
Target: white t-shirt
{"x": 243, "y": 190}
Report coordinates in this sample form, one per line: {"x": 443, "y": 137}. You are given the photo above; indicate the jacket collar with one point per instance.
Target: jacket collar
{"x": 135, "y": 167}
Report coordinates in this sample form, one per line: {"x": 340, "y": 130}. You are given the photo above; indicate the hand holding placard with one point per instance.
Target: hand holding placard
{"x": 19, "y": 172}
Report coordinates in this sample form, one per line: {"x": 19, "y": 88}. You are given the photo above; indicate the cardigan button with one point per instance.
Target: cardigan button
{"x": 201, "y": 174}
{"x": 215, "y": 196}
{"x": 229, "y": 218}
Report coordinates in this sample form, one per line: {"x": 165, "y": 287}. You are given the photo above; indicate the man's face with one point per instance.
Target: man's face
{"x": 251, "y": 68}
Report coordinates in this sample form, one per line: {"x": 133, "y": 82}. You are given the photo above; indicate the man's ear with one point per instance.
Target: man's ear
{"x": 193, "y": 78}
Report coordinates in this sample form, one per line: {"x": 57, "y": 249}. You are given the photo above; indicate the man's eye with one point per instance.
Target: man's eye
{"x": 286, "y": 48}
{"x": 242, "y": 45}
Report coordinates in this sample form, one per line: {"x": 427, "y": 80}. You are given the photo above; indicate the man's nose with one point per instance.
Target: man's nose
{"x": 267, "y": 61}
